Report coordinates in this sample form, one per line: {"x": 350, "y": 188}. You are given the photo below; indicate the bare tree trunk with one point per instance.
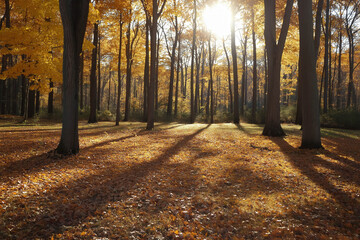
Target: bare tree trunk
{"x": 211, "y": 84}
{"x": 274, "y": 50}
{"x": 51, "y": 99}
{"x": 177, "y": 77}
{"x": 244, "y": 78}
{"x": 93, "y": 92}
{"x": 81, "y": 81}
{"x": 128, "y": 73}
{"x": 119, "y": 73}
{"x": 311, "y": 114}
{"x": 146, "y": 68}
{"x": 74, "y": 18}
{"x": 37, "y": 102}
{"x": 235, "y": 67}
{"x": 229, "y": 78}
{"x": 172, "y": 70}
{"x": 254, "y": 100}
{"x": 192, "y": 104}
{"x": 99, "y": 96}
{"x": 338, "y": 89}
{"x": 326, "y": 58}
{"x": 153, "y": 32}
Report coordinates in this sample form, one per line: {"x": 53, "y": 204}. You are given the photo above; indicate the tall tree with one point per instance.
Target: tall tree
{"x": 121, "y": 23}
{"x": 93, "y": 92}
{"x": 326, "y": 57}
{"x": 74, "y": 17}
{"x": 254, "y": 100}
{"x": 235, "y": 67}
{"x": 99, "y": 95}
{"x": 352, "y": 15}
{"x": 311, "y": 113}
{"x": 193, "y": 47}
{"x": 153, "y": 32}
{"x": 244, "y": 77}
{"x": 274, "y": 51}
{"x": 211, "y": 83}
{"x": 229, "y": 77}
{"x": 318, "y": 23}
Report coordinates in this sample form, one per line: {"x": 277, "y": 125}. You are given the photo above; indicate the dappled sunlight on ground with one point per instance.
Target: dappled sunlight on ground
{"x": 220, "y": 181}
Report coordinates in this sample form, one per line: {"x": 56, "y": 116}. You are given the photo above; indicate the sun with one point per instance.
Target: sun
{"x": 217, "y": 19}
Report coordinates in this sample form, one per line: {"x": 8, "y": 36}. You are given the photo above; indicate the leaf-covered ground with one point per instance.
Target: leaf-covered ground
{"x": 199, "y": 181}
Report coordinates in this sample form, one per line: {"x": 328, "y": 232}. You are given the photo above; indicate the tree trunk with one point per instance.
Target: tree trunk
{"x": 146, "y": 68}
{"x": 31, "y": 104}
{"x": 326, "y": 58}
{"x": 99, "y": 97}
{"x": 177, "y": 77}
{"x": 172, "y": 71}
{"x": 153, "y": 32}
{"x": 274, "y": 52}
{"x": 128, "y": 73}
{"x": 192, "y": 104}
{"x": 211, "y": 84}
{"x": 197, "y": 82}
{"x": 37, "y": 102}
{"x": 244, "y": 79}
{"x": 235, "y": 67}
{"x": 81, "y": 81}
{"x": 254, "y": 100}
{"x": 338, "y": 89}
{"x": 157, "y": 74}
{"x": 51, "y": 98}
{"x": 74, "y": 18}
{"x": 93, "y": 92}
{"x": 351, "y": 95}
{"x": 229, "y": 78}
{"x": 311, "y": 114}
{"x": 15, "y": 89}
{"x": 119, "y": 74}
{"x": 23, "y": 95}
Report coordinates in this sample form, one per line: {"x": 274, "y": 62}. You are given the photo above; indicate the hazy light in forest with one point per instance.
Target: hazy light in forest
{"x": 217, "y": 19}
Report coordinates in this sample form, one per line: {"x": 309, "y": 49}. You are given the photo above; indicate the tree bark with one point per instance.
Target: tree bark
{"x": 81, "y": 81}
{"x": 244, "y": 78}
{"x": 311, "y": 113}
{"x": 172, "y": 70}
{"x": 338, "y": 89}
{"x": 37, "y": 102}
{"x": 74, "y": 18}
{"x": 119, "y": 74}
{"x": 31, "y": 104}
{"x": 177, "y": 77}
{"x": 274, "y": 52}
{"x": 326, "y": 58}
{"x": 99, "y": 96}
{"x": 153, "y": 50}
{"x": 235, "y": 67}
{"x": 211, "y": 84}
{"x": 146, "y": 68}
{"x": 192, "y": 104}
{"x": 229, "y": 78}
{"x": 128, "y": 73}
{"x": 51, "y": 98}
{"x": 254, "y": 100}
{"x": 93, "y": 91}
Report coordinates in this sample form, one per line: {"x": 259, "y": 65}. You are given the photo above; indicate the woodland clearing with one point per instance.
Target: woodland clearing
{"x": 219, "y": 181}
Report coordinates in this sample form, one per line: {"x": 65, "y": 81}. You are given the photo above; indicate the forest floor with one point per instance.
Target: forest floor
{"x": 220, "y": 181}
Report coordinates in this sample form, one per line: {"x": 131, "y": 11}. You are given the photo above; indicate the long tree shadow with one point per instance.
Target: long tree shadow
{"x": 91, "y": 192}
{"x": 307, "y": 168}
{"x": 37, "y": 163}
